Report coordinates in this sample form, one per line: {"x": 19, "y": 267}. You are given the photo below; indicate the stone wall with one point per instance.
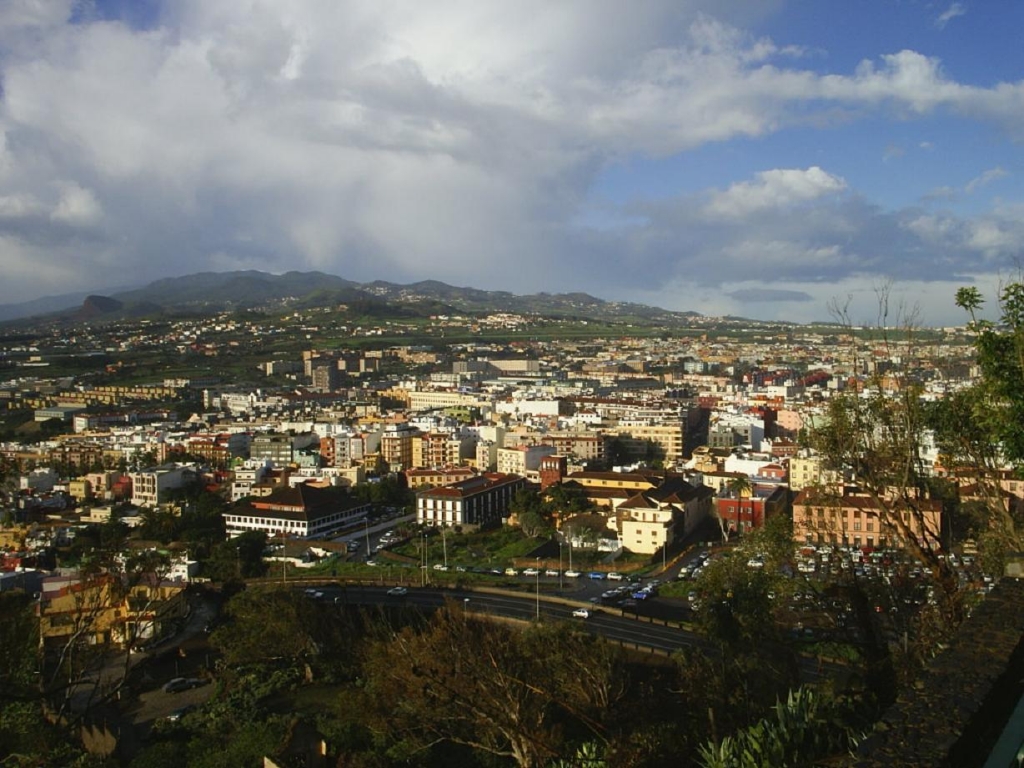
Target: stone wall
{"x": 955, "y": 713}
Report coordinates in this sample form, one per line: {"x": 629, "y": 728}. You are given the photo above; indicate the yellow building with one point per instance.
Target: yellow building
{"x": 103, "y": 611}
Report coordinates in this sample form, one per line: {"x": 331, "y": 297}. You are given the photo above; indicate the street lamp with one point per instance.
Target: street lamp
{"x": 366, "y": 528}
{"x": 426, "y": 559}
{"x": 537, "y": 569}
{"x": 559, "y": 566}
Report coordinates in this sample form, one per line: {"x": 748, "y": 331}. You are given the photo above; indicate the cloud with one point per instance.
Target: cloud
{"x": 984, "y": 179}
{"x": 458, "y": 141}
{"x": 939, "y": 193}
{"x": 954, "y": 10}
{"x": 768, "y": 295}
{"x": 775, "y": 189}
{"x": 77, "y": 206}
{"x": 893, "y": 151}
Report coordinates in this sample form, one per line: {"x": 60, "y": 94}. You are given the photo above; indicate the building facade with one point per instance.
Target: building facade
{"x": 479, "y": 502}
{"x": 302, "y": 512}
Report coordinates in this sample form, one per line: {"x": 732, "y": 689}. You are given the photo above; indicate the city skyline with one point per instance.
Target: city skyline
{"x": 760, "y": 160}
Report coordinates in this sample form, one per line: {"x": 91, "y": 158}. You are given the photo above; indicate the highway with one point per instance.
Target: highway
{"x": 638, "y": 633}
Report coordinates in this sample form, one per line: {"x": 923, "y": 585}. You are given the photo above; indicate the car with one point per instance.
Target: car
{"x": 511, "y": 572}
{"x": 531, "y": 572}
{"x": 399, "y": 591}
{"x": 573, "y": 574}
{"x": 596, "y": 575}
{"x": 179, "y": 713}
{"x": 581, "y": 613}
{"x": 613, "y": 576}
{"x": 179, "y": 684}
{"x": 551, "y": 572}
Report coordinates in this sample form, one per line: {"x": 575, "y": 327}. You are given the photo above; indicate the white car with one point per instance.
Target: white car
{"x": 531, "y": 572}
{"x": 398, "y": 591}
{"x": 572, "y": 574}
{"x": 581, "y": 613}
{"x": 613, "y": 576}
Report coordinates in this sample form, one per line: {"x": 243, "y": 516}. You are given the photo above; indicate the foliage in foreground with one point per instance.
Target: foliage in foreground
{"x": 802, "y": 730}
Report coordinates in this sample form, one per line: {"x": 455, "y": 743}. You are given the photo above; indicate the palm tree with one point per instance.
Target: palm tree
{"x": 740, "y": 487}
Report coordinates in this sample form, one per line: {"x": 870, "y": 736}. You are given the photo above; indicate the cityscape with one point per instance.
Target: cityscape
{"x": 570, "y": 384}
{"x": 200, "y": 507}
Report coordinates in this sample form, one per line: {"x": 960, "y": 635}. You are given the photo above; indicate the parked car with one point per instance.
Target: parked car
{"x": 613, "y": 576}
{"x": 179, "y": 713}
{"x": 531, "y": 572}
{"x": 572, "y": 574}
{"x": 398, "y": 591}
{"x": 596, "y": 575}
{"x": 581, "y": 613}
{"x": 179, "y": 684}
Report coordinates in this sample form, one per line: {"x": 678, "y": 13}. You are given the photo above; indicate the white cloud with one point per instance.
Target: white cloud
{"x": 954, "y": 10}
{"x": 992, "y": 174}
{"x": 775, "y": 189}
{"x": 458, "y": 141}
{"x": 77, "y": 206}
{"x": 944, "y": 192}
{"x": 20, "y": 206}
{"x": 25, "y": 16}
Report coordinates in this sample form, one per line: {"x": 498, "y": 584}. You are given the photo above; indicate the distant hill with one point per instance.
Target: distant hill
{"x": 207, "y": 292}
{"x": 93, "y": 306}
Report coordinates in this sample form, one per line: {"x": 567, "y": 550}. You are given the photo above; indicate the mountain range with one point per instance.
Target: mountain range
{"x": 209, "y": 292}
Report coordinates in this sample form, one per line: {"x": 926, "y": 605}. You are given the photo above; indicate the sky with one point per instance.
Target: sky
{"x": 775, "y": 159}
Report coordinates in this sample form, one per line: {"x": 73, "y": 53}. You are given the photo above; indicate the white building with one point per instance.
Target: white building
{"x": 150, "y": 487}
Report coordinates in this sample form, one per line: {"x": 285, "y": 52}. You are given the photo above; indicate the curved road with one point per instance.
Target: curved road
{"x": 633, "y": 632}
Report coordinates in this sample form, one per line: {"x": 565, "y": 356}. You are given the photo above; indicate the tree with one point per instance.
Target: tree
{"x": 872, "y": 435}
{"x": 238, "y": 558}
{"x": 490, "y": 687}
{"x": 265, "y": 625}
{"x": 529, "y": 511}
{"x": 981, "y": 429}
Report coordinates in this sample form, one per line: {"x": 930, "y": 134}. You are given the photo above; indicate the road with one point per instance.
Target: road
{"x": 637, "y": 632}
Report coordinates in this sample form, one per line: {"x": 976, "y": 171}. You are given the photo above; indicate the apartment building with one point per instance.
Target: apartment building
{"x": 479, "y": 502}
{"x": 396, "y": 446}
{"x": 152, "y": 487}
{"x": 431, "y": 478}
{"x": 852, "y": 519}
{"x": 522, "y": 458}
